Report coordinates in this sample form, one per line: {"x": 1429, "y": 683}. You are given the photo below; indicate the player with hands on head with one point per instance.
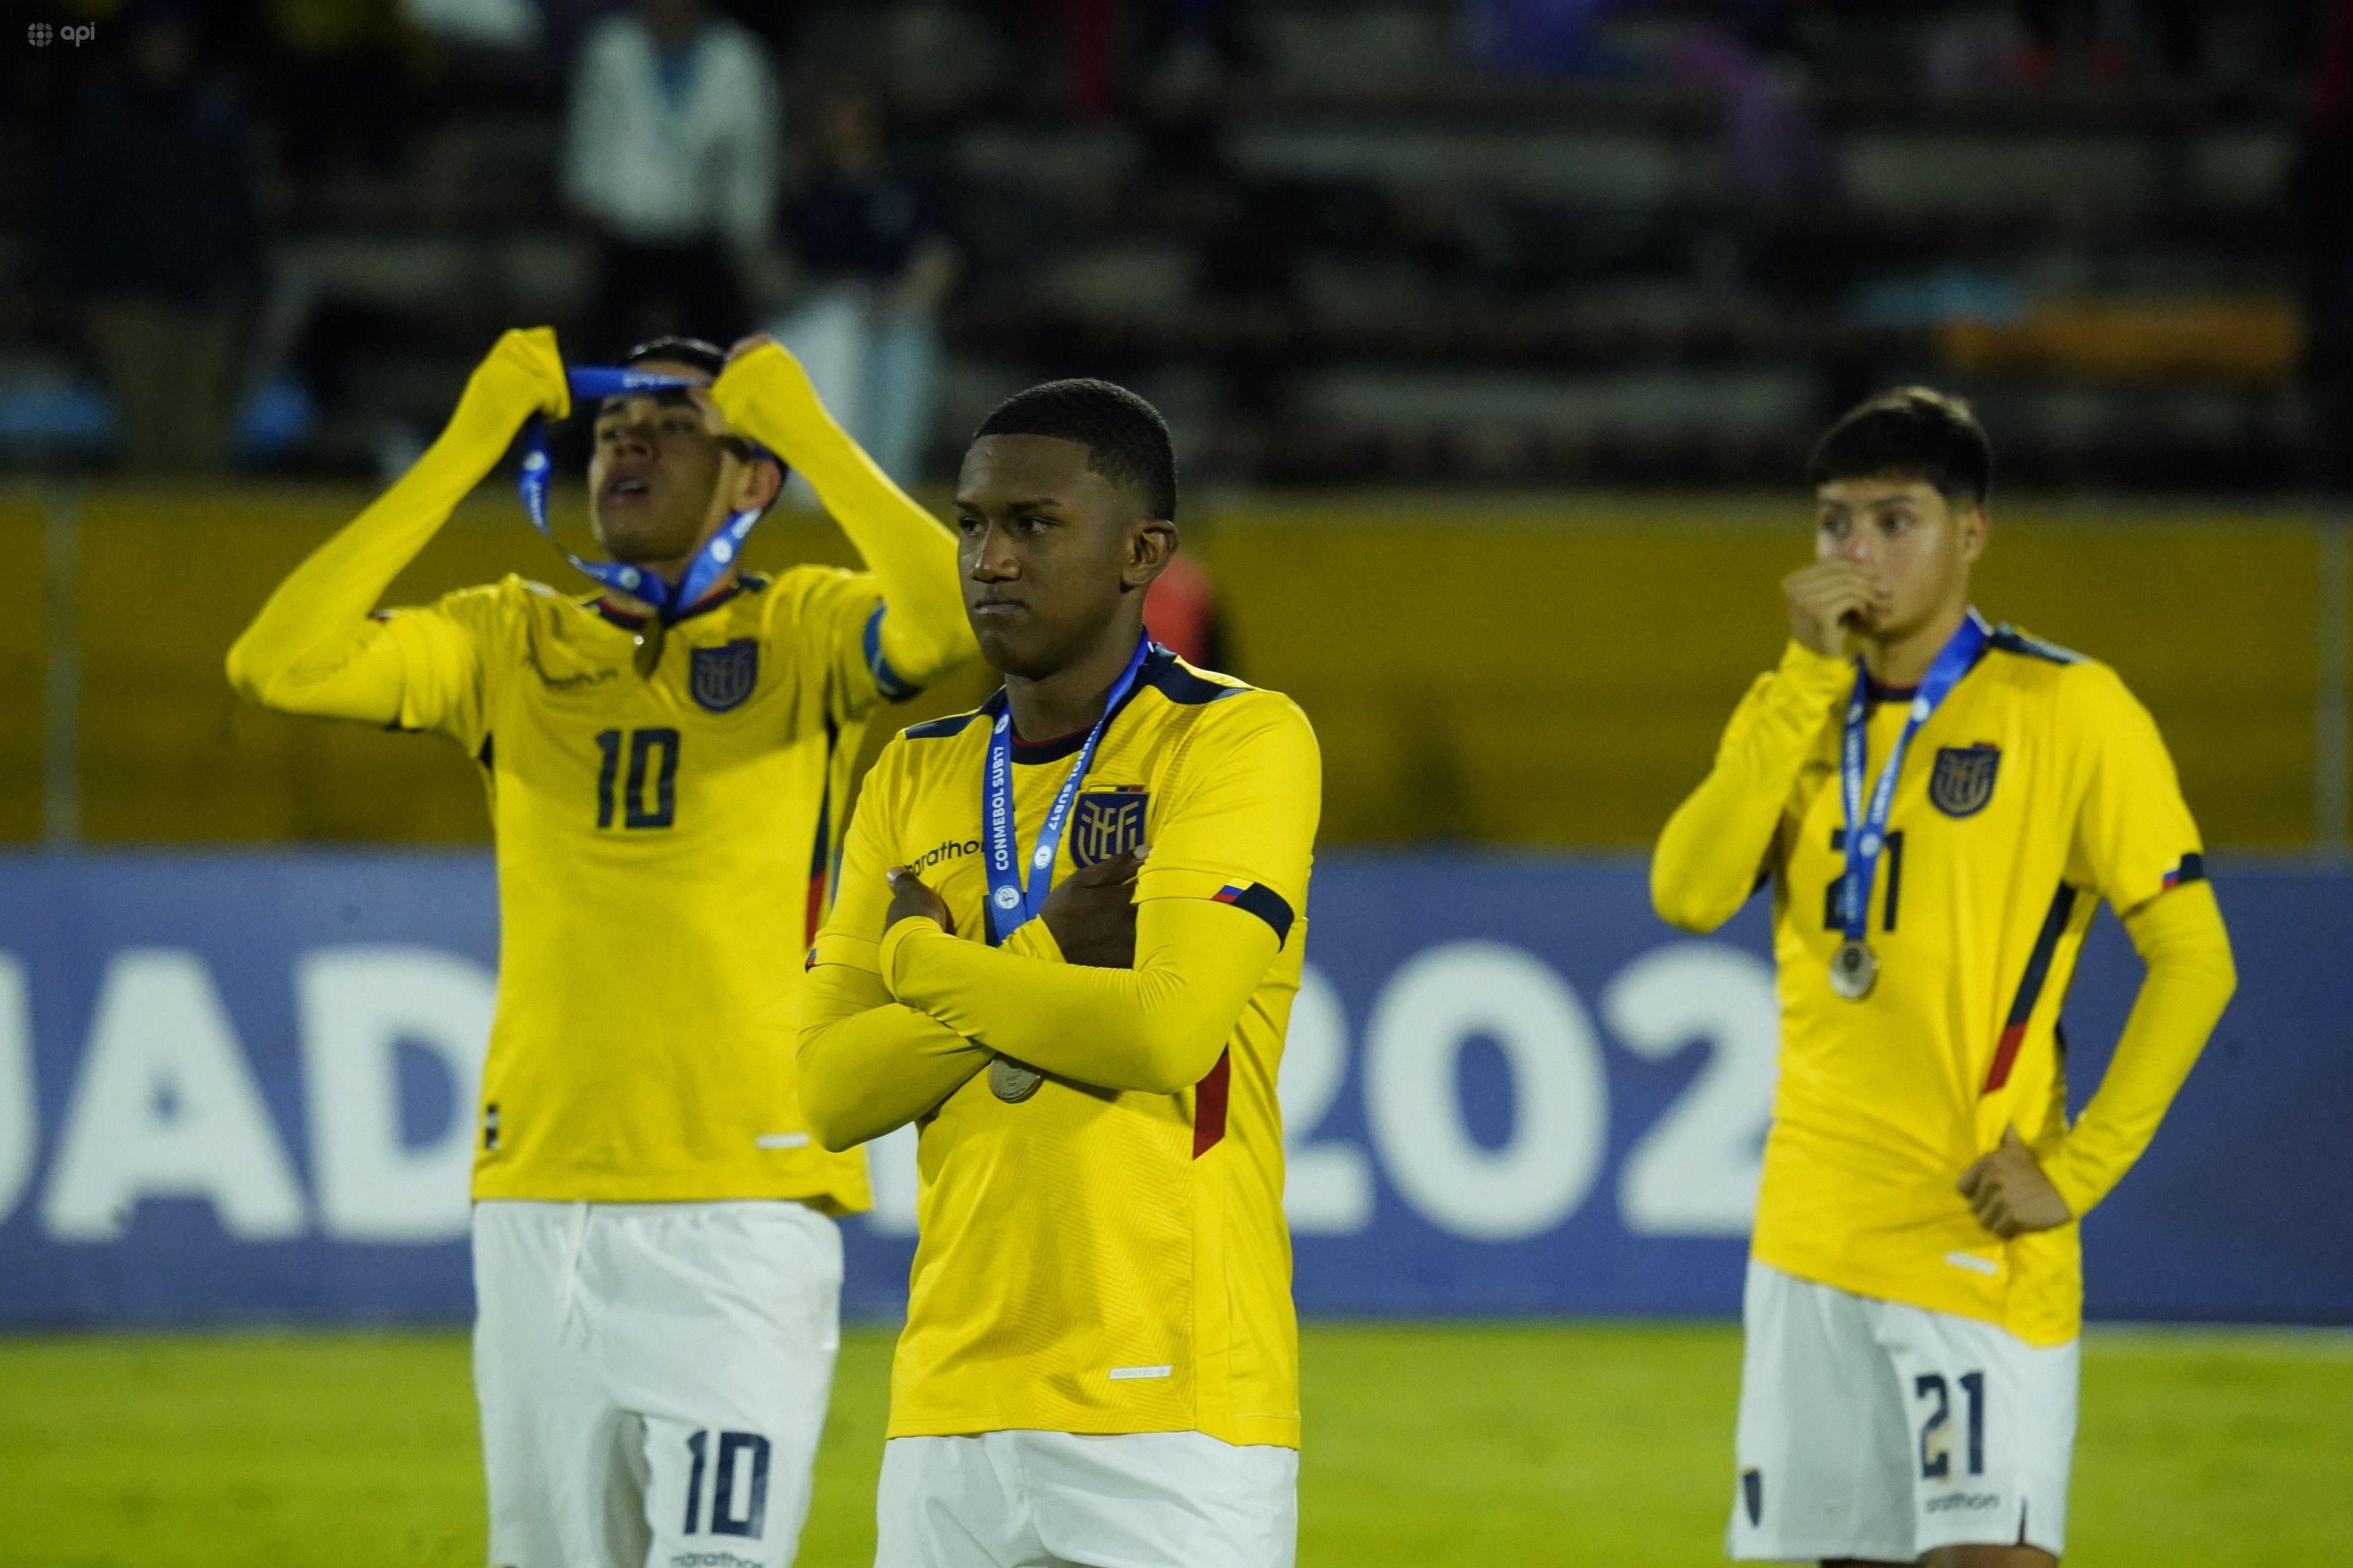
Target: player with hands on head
{"x": 656, "y": 1260}
{"x": 1939, "y": 805}
{"x": 1100, "y": 1360}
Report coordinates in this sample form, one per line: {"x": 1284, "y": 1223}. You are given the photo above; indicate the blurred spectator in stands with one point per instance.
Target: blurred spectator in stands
{"x": 1542, "y": 37}
{"x": 1180, "y": 614}
{"x": 153, "y": 232}
{"x": 1774, "y": 156}
{"x": 671, "y": 156}
{"x": 2323, "y": 189}
{"x": 480, "y": 23}
{"x": 343, "y": 88}
{"x": 875, "y": 266}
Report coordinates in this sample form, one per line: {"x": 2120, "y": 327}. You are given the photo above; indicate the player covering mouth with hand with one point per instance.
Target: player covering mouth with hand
{"x": 656, "y": 1268}
{"x": 1939, "y": 805}
{"x": 1100, "y": 1360}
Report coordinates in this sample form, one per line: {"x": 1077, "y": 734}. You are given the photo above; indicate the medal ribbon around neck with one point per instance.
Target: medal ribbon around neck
{"x": 1013, "y": 901}
{"x": 593, "y": 383}
{"x": 1866, "y": 831}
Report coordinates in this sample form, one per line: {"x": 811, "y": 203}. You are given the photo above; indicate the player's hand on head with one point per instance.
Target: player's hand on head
{"x": 910, "y": 898}
{"x": 2010, "y": 1193}
{"x": 1092, "y": 912}
{"x": 751, "y": 342}
{"x": 1827, "y": 599}
{"x": 522, "y": 375}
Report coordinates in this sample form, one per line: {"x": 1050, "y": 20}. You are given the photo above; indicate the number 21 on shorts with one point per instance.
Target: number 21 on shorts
{"x": 1936, "y": 1442}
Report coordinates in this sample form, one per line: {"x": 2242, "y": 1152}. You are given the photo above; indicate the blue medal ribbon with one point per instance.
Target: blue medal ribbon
{"x": 1013, "y": 901}
{"x": 1866, "y": 830}
{"x": 593, "y": 383}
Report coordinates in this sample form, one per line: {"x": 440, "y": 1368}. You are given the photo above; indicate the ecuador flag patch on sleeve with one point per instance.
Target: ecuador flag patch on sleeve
{"x": 1260, "y": 900}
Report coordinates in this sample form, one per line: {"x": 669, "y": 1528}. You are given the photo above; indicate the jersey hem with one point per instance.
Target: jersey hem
{"x": 827, "y": 1198}
{"x": 1243, "y": 1432}
{"x": 1879, "y": 1287}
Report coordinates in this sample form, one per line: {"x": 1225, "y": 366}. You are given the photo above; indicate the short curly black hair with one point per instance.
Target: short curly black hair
{"x": 1126, "y": 440}
{"x": 706, "y": 357}
{"x": 1913, "y": 433}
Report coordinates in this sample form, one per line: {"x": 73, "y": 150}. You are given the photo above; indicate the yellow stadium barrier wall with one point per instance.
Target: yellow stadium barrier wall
{"x": 1546, "y": 672}
{"x": 24, "y": 635}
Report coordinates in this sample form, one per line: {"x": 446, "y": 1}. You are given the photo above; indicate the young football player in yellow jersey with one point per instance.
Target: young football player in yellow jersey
{"x": 1100, "y": 1362}
{"x": 656, "y": 1266}
{"x": 1940, "y": 806}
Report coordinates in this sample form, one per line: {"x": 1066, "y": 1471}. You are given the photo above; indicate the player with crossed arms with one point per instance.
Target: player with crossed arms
{"x": 656, "y": 1262}
{"x": 1100, "y": 1360}
{"x": 1940, "y": 806}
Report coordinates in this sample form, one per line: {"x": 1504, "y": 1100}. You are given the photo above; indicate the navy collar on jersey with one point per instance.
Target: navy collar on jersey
{"x": 1878, "y": 693}
{"x": 630, "y": 621}
{"x": 1156, "y": 664}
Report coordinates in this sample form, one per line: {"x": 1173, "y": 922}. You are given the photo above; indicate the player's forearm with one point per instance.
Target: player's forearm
{"x": 2180, "y": 937}
{"x": 1708, "y": 859}
{"x": 767, "y": 396}
{"x": 869, "y": 1065}
{"x": 1157, "y": 1028}
{"x": 312, "y": 649}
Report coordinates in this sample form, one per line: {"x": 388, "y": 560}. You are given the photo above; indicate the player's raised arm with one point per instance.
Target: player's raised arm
{"x": 313, "y": 648}
{"x": 1210, "y": 923}
{"x": 764, "y": 393}
{"x": 1708, "y": 858}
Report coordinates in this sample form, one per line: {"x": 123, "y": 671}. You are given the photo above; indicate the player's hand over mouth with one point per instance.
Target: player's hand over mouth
{"x": 1827, "y": 600}
{"x": 1092, "y": 912}
{"x": 2010, "y": 1193}
{"x": 911, "y": 898}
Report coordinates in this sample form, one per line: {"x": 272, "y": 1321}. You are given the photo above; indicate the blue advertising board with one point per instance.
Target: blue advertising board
{"x": 240, "y": 1087}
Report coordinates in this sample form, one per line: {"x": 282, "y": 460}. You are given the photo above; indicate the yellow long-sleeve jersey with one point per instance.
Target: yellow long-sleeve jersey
{"x": 1110, "y": 1254}
{"x": 2036, "y": 789}
{"x": 663, "y": 838}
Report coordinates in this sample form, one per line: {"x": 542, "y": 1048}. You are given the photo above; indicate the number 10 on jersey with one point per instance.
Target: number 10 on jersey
{"x": 653, "y": 771}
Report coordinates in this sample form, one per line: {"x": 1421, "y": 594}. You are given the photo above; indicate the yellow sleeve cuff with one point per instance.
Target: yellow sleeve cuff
{"x": 894, "y": 941}
{"x": 1035, "y": 939}
{"x": 769, "y": 396}
{"x": 1829, "y": 674}
{"x": 849, "y": 951}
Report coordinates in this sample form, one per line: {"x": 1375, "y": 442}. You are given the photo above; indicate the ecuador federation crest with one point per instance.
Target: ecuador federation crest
{"x": 1963, "y": 780}
{"x": 721, "y": 678}
{"x": 1106, "y": 823}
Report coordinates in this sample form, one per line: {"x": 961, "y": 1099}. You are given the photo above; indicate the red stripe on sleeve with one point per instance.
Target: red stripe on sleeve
{"x": 816, "y": 904}
{"x": 1210, "y": 1106}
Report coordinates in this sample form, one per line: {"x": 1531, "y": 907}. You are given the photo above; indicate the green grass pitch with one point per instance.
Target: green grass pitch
{"x": 1498, "y": 1446}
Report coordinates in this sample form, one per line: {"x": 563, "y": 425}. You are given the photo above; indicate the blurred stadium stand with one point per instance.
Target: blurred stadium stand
{"x": 1400, "y": 239}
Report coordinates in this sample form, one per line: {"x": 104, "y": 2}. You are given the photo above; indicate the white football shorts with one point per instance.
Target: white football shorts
{"x": 1876, "y": 1430}
{"x": 653, "y": 1379}
{"x": 1060, "y": 1500}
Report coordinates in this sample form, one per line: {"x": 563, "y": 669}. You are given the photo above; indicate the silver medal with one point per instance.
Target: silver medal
{"x": 1854, "y": 969}
{"x": 1010, "y": 1081}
